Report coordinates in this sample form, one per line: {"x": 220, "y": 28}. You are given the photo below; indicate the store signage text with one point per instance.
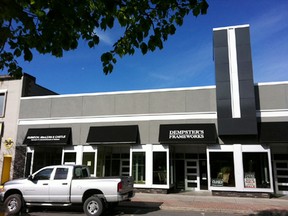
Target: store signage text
{"x": 46, "y": 138}
{"x": 186, "y": 134}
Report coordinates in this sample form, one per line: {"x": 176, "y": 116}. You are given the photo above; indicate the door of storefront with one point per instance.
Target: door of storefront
{"x": 192, "y": 175}
{"x": 180, "y": 174}
{"x": 6, "y": 168}
{"x": 281, "y": 176}
{"x": 191, "y": 172}
{"x": 125, "y": 168}
{"x": 45, "y": 156}
{"x": 113, "y": 161}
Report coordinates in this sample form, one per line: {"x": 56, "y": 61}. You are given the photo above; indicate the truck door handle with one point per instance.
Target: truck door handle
{"x": 45, "y": 183}
{"x": 64, "y": 183}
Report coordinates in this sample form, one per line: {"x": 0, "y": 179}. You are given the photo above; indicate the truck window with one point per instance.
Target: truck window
{"x": 61, "y": 173}
{"x": 85, "y": 172}
{"x": 80, "y": 172}
{"x": 43, "y": 174}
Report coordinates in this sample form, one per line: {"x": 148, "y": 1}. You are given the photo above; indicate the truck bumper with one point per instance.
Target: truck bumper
{"x": 126, "y": 196}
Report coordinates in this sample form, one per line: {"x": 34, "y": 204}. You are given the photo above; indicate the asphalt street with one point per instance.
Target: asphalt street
{"x": 123, "y": 211}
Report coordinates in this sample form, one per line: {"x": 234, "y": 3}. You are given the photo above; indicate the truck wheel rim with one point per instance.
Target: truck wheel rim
{"x": 93, "y": 207}
{"x": 12, "y": 205}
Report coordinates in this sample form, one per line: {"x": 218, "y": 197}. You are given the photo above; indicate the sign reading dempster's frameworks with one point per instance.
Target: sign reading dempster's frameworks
{"x": 188, "y": 133}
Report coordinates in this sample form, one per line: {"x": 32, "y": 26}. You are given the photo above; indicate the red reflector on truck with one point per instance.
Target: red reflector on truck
{"x": 120, "y": 186}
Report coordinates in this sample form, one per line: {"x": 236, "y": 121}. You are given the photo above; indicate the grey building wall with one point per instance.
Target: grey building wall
{"x": 272, "y": 96}
{"x": 114, "y": 105}
{"x": 109, "y": 106}
{"x": 272, "y": 101}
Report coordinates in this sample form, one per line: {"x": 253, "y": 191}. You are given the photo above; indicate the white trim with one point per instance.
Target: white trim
{"x": 3, "y": 108}
{"x": 272, "y": 83}
{"x": 272, "y": 113}
{"x": 121, "y": 92}
{"x": 233, "y": 71}
{"x": 238, "y": 150}
{"x": 119, "y": 118}
{"x": 144, "y": 117}
{"x": 228, "y": 27}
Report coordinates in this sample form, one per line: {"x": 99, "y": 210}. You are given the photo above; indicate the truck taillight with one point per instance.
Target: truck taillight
{"x": 120, "y": 186}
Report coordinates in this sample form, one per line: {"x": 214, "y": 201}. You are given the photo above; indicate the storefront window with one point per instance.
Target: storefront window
{"x": 70, "y": 157}
{"x": 46, "y": 156}
{"x": 2, "y": 104}
{"x": 138, "y": 167}
{"x": 159, "y": 168}
{"x": 222, "y": 169}
{"x": 89, "y": 161}
{"x": 256, "y": 170}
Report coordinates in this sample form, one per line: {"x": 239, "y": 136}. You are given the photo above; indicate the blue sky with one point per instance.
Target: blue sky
{"x": 185, "y": 61}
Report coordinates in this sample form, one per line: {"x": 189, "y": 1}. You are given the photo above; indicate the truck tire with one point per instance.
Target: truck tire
{"x": 13, "y": 204}
{"x": 93, "y": 206}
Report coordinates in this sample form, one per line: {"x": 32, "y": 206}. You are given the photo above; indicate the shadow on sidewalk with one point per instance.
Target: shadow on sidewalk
{"x": 272, "y": 212}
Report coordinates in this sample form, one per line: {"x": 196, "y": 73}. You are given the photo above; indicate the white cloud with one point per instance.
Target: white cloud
{"x": 105, "y": 37}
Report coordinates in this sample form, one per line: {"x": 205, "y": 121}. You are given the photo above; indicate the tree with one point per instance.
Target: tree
{"x": 55, "y": 26}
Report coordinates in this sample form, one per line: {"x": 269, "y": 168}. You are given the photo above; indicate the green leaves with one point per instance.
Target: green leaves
{"x": 55, "y": 26}
{"x": 107, "y": 59}
{"x": 28, "y": 54}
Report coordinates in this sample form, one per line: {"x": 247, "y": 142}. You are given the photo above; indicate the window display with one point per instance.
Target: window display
{"x": 138, "y": 167}
{"x": 222, "y": 169}
{"x": 256, "y": 170}
{"x": 159, "y": 168}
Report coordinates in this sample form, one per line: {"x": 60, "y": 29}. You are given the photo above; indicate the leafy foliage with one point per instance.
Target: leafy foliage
{"x": 55, "y": 26}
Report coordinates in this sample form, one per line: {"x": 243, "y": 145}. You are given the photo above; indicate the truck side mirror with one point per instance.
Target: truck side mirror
{"x": 30, "y": 177}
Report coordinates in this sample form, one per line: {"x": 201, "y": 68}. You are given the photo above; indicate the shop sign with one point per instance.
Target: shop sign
{"x": 217, "y": 182}
{"x": 38, "y": 136}
{"x": 249, "y": 180}
{"x": 46, "y": 138}
{"x": 186, "y": 134}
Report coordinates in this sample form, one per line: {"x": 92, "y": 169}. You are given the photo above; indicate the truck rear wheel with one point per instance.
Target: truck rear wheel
{"x": 13, "y": 204}
{"x": 93, "y": 206}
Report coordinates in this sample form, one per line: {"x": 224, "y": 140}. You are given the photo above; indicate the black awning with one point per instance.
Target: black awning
{"x": 188, "y": 133}
{"x": 48, "y": 136}
{"x": 123, "y": 134}
{"x": 273, "y": 132}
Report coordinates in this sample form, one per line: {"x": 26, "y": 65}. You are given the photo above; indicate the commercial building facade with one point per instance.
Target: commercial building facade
{"x": 226, "y": 138}
{"x": 11, "y": 90}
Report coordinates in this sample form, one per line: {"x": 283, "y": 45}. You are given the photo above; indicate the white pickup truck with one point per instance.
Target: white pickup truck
{"x": 65, "y": 185}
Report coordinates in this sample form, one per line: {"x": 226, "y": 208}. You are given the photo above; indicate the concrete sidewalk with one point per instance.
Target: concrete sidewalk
{"x": 208, "y": 203}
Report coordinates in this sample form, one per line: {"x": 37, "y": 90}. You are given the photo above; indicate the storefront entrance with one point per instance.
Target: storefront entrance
{"x": 191, "y": 174}
{"x": 113, "y": 161}
{"x": 281, "y": 173}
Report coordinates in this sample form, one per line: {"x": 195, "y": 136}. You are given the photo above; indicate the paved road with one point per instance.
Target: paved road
{"x": 123, "y": 211}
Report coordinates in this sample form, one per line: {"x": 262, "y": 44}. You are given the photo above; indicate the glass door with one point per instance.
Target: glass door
{"x": 125, "y": 168}
{"x": 192, "y": 175}
{"x": 281, "y": 176}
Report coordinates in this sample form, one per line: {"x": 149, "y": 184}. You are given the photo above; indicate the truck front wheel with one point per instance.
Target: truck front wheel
{"x": 13, "y": 204}
{"x": 93, "y": 206}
